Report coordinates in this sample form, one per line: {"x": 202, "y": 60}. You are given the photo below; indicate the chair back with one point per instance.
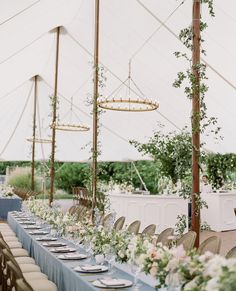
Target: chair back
{"x": 134, "y": 227}
{"x": 13, "y": 270}
{"x": 187, "y": 240}
{"x": 231, "y": 254}
{"x": 106, "y": 220}
{"x": 211, "y": 244}
{"x": 118, "y": 225}
{"x": 72, "y": 209}
{"x": 163, "y": 237}
{"x": 149, "y": 230}
{"x": 22, "y": 285}
{"x": 4, "y": 245}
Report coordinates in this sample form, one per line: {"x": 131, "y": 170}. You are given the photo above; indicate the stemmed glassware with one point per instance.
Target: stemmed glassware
{"x": 110, "y": 257}
{"x": 135, "y": 269}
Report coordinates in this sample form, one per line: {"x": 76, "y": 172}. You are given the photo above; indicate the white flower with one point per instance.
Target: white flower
{"x": 212, "y": 285}
{"x": 213, "y": 267}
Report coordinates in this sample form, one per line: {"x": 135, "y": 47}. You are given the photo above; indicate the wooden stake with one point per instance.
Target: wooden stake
{"x": 54, "y": 119}
{"x": 95, "y": 108}
{"x": 34, "y": 130}
{"x": 196, "y": 120}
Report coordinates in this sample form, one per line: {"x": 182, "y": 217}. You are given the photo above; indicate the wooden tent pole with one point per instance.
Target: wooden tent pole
{"x": 196, "y": 119}
{"x": 34, "y": 131}
{"x": 95, "y": 107}
{"x": 54, "y": 118}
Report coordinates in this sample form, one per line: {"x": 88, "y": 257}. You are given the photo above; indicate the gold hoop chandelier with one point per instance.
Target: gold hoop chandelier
{"x": 39, "y": 140}
{"x": 69, "y": 126}
{"x": 131, "y": 102}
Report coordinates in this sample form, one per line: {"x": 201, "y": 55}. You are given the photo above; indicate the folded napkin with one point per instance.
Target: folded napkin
{"x": 91, "y": 268}
{"x": 54, "y": 244}
{"x": 62, "y": 250}
{"x": 112, "y": 282}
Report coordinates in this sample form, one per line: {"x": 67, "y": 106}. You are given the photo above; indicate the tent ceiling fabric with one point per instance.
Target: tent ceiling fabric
{"x": 28, "y": 48}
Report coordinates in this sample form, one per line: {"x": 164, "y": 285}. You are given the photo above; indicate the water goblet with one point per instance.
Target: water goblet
{"x": 135, "y": 269}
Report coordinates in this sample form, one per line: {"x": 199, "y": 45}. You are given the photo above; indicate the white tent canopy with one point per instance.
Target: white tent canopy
{"x": 28, "y": 49}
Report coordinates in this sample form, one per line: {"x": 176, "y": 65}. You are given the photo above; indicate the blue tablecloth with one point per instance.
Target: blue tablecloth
{"x": 9, "y": 204}
{"x": 61, "y": 272}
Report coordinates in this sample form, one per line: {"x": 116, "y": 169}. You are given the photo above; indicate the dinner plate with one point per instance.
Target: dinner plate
{"x": 32, "y": 227}
{"x": 110, "y": 283}
{"x": 27, "y": 222}
{"x": 45, "y": 238}
{"x": 91, "y": 268}
{"x": 38, "y": 232}
{"x": 62, "y": 250}
{"x": 54, "y": 244}
{"x": 74, "y": 256}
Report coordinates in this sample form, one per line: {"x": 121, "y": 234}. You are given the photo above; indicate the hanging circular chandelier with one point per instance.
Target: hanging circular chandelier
{"x": 125, "y": 98}
{"x": 69, "y": 125}
{"x": 130, "y": 104}
{"x": 39, "y": 140}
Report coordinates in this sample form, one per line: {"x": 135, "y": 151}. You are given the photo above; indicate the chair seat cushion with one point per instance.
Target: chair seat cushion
{"x": 29, "y": 268}
{"x": 8, "y": 233}
{"x": 25, "y": 260}
{"x": 10, "y": 238}
{"x": 42, "y": 285}
{"x": 34, "y": 276}
{"x": 14, "y": 244}
{"x": 19, "y": 252}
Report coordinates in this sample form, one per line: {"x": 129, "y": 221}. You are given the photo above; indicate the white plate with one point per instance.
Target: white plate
{"x": 27, "y": 222}
{"x": 54, "y": 244}
{"x": 122, "y": 283}
{"x": 38, "y": 232}
{"x": 91, "y": 268}
{"x": 32, "y": 227}
{"x": 62, "y": 250}
{"x": 45, "y": 238}
{"x": 72, "y": 257}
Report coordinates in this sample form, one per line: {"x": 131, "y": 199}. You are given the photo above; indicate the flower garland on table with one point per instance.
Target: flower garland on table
{"x": 54, "y": 216}
{"x": 169, "y": 266}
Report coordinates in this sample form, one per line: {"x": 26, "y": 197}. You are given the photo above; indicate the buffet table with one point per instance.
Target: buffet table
{"x": 161, "y": 210}
{"x": 61, "y": 271}
{"x": 7, "y": 204}
{"x": 220, "y": 214}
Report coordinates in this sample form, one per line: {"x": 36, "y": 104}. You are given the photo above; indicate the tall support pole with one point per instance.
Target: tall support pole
{"x": 54, "y": 118}
{"x": 95, "y": 107}
{"x": 196, "y": 119}
{"x": 34, "y": 130}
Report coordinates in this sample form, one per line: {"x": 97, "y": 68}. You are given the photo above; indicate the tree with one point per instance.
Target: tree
{"x": 173, "y": 151}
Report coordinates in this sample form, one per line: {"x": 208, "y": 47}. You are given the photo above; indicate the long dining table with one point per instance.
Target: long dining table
{"x": 62, "y": 272}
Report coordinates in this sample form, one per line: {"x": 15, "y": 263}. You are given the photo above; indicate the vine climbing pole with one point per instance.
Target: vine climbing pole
{"x": 54, "y": 118}
{"x": 34, "y": 130}
{"x": 196, "y": 119}
{"x": 95, "y": 108}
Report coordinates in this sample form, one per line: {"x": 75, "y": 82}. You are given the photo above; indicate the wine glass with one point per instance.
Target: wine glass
{"x": 173, "y": 282}
{"x": 88, "y": 247}
{"x": 135, "y": 269}
{"x": 110, "y": 258}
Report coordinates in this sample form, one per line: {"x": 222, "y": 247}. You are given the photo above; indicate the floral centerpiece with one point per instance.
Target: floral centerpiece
{"x": 6, "y": 190}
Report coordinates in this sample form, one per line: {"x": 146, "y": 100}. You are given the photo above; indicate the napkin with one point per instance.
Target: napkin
{"x": 91, "y": 268}
{"x": 112, "y": 282}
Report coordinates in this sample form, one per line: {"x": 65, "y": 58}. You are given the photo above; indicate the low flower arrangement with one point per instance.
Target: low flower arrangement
{"x": 6, "y": 190}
